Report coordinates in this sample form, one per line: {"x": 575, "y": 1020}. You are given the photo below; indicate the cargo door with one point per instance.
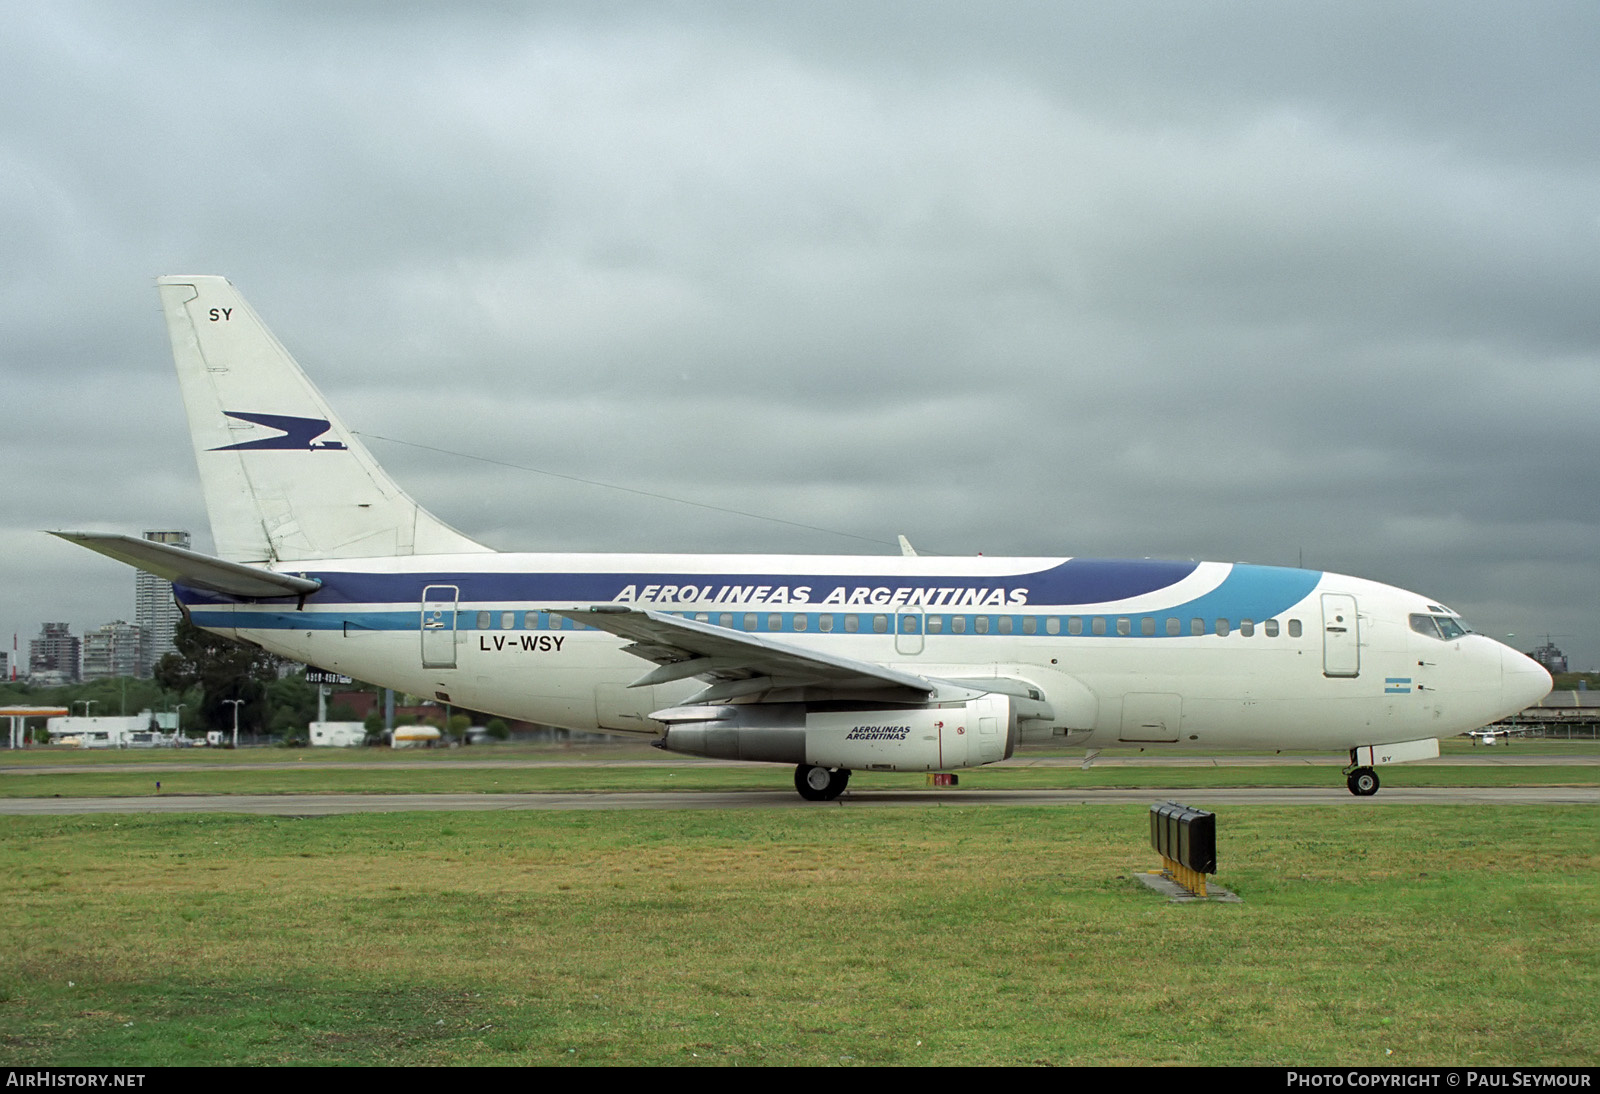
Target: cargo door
{"x": 626, "y": 710}
{"x": 1153, "y": 717}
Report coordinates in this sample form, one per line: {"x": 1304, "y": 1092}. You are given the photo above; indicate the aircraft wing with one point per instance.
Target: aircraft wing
{"x": 192, "y": 568}
{"x": 683, "y": 648}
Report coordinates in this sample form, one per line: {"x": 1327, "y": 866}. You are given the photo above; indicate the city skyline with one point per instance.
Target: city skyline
{"x": 115, "y": 647}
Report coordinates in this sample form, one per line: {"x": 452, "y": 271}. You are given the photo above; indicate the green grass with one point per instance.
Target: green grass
{"x": 600, "y": 767}
{"x": 1402, "y": 935}
{"x": 443, "y": 778}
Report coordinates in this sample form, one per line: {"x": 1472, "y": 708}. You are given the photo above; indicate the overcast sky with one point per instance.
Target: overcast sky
{"x": 1237, "y": 281}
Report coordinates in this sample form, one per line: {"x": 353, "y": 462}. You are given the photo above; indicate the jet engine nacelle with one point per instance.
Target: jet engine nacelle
{"x": 935, "y": 738}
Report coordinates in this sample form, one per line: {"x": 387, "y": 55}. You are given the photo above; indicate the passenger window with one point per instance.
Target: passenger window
{"x": 1030, "y": 625}
{"x": 1197, "y": 626}
{"x": 958, "y": 624}
{"x": 799, "y": 622}
{"x": 702, "y": 617}
{"x": 935, "y": 624}
{"x": 852, "y": 624}
{"x": 530, "y": 621}
{"x": 774, "y": 622}
{"x": 1294, "y": 628}
{"x": 1174, "y": 627}
{"x": 825, "y": 622}
{"x": 1272, "y": 628}
{"x": 726, "y": 619}
{"x": 1075, "y": 625}
{"x": 1052, "y": 625}
{"x": 1123, "y": 627}
{"x": 1222, "y": 628}
{"x": 1097, "y": 625}
{"x": 483, "y": 621}
{"x": 1006, "y": 623}
{"x": 982, "y": 622}
{"x": 1247, "y": 628}
{"x": 880, "y": 624}
{"x": 908, "y": 624}
{"x": 750, "y": 621}
{"x": 1147, "y": 625}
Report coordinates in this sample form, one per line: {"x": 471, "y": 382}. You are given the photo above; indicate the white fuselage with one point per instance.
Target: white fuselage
{"x": 1198, "y": 655}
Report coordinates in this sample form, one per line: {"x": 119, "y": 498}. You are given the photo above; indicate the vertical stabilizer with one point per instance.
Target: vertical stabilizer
{"x": 284, "y": 479}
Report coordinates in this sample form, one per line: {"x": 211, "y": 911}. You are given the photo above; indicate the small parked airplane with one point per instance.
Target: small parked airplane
{"x": 1492, "y": 734}
{"x": 829, "y": 663}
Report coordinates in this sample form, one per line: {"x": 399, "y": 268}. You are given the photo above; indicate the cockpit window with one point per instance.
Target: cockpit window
{"x": 1443, "y": 627}
{"x": 1424, "y": 624}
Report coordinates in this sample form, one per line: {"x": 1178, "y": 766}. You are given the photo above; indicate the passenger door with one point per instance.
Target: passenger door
{"x": 1341, "y": 636}
{"x": 438, "y": 626}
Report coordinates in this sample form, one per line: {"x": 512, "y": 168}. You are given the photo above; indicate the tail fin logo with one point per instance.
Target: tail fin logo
{"x": 298, "y": 434}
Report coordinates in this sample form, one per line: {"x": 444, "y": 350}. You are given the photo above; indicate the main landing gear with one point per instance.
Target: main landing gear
{"x": 1363, "y": 781}
{"x": 818, "y": 784}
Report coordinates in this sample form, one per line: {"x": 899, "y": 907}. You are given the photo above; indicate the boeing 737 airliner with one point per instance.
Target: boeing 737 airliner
{"x": 830, "y": 663}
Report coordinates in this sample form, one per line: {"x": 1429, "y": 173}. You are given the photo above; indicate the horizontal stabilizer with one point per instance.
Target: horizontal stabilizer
{"x": 191, "y": 568}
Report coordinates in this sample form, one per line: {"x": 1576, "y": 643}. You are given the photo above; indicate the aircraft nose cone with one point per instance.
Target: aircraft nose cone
{"x": 1523, "y": 679}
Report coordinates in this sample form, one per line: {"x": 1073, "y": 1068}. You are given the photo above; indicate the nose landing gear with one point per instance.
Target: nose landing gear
{"x": 1362, "y": 781}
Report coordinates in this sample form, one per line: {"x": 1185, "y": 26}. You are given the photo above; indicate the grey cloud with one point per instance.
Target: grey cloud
{"x": 1034, "y": 278}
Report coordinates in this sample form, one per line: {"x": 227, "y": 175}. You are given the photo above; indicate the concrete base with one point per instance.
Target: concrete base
{"x": 1177, "y": 894}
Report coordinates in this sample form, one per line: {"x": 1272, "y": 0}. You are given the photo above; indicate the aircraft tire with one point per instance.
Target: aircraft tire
{"x": 1363, "y": 782}
{"x": 818, "y": 784}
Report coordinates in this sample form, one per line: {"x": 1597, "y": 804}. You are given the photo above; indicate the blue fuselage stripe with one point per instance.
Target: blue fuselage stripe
{"x": 390, "y": 602}
{"x": 1076, "y": 581}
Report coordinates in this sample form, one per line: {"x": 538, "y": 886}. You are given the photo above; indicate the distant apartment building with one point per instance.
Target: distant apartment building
{"x": 1553, "y": 660}
{"x": 154, "y": 609}
{"x": 116, "y": 649}
{"x": 55, "y": 653}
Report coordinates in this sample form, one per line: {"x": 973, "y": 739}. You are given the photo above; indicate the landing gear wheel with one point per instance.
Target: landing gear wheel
{"x": 818, "y": 784}
{"x": 1363, "y": 782}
